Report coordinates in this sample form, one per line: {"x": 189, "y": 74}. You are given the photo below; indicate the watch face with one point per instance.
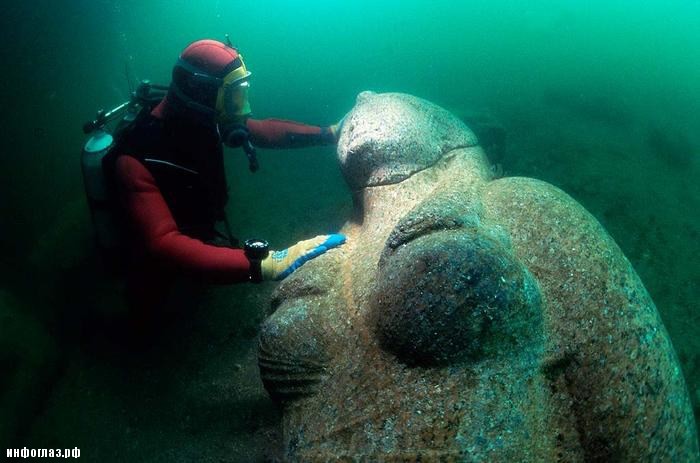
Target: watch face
{"x": 256, "y": 244}
{"x": 256, "y": 249}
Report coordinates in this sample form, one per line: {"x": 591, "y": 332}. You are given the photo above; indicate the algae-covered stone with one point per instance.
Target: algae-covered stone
{"x": 467, "y": 318}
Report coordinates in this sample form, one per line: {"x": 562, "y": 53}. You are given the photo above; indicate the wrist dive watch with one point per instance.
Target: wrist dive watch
{"x": 256, "y": 250}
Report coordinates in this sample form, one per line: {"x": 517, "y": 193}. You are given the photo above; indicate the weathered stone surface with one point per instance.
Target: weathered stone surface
{"x": 389, "y": 149}
{"x": 466, "y": 318}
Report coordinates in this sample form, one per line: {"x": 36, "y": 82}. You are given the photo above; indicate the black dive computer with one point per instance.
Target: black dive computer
{"x": 256, "y": 250}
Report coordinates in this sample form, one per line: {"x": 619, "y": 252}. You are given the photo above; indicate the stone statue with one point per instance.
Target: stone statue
{"x": 467, "y": 318}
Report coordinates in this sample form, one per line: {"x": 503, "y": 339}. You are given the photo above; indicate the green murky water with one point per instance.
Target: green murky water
{"x": 599, "y": 98}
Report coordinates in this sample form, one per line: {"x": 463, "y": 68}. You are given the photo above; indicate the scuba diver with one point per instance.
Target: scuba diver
{"x": 167, "y": 174}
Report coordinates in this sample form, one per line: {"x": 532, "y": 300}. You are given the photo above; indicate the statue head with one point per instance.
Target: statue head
{"x": 386, "y": 138}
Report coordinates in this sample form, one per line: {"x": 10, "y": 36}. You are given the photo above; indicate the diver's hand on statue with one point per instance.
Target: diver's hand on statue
{"x": 337, "y": 128}
{"x": 280, "y": 264}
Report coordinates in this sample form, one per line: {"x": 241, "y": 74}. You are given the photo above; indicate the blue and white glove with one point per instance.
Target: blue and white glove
{"x": 280, "y": 264}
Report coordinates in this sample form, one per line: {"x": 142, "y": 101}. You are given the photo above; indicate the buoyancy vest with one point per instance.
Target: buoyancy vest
{"x": 186, "y": 161}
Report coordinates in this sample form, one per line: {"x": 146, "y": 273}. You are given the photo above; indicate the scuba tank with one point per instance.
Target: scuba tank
{"x": 97, "y": 186}
{"x": 96, "y": 191}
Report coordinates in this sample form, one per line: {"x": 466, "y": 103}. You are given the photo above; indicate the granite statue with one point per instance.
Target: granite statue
{"x": 467, "y": 318}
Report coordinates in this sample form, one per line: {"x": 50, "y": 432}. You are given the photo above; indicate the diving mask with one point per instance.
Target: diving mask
{"x": 232, "y": 100}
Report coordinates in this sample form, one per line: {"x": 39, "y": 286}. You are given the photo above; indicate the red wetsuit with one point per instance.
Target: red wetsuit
{"x": 160, "y": 249}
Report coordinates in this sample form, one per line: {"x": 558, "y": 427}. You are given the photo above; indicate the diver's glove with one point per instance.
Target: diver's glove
{"x": 279, "y": 264}
{"x": 337, "y": 127}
